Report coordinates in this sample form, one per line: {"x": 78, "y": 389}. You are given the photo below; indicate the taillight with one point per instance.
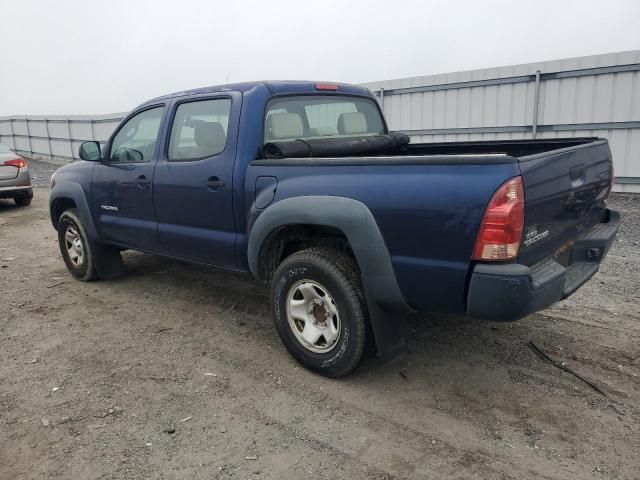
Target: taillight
{"x": 501, "y": 228}
{"x": 16, "y": 162}
{"x": 326, "y": 86}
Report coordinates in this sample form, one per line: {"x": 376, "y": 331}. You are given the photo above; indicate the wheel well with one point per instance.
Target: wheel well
{"x": 292, "y": 238}
{"x": 58, "y": 206}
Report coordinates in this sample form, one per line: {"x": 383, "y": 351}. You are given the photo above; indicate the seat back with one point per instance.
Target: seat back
{"x": 209, "y": 137}
{"x": 352, "y": 123}
{"x": 284, "y": 126}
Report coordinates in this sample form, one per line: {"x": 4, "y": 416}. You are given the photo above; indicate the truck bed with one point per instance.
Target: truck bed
{"x": 449, "y": 152}
{"x": 513, "y": 148}
{"x": 428, "y": 200}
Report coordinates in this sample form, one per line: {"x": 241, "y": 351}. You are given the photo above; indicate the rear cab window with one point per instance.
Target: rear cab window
{"x": 321, "y": 116}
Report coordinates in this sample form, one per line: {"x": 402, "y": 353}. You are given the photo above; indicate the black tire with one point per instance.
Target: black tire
{"x": 23, "y": 201}
{"x": 86, "y": 271}
{"x": 337, "y": 273}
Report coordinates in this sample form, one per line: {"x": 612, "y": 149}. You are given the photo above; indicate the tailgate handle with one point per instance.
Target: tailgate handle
{"x": 576, "y": 172}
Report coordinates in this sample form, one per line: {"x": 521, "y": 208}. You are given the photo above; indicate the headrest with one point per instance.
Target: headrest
{"x": 209, "y": 135}
{"x": 351, "y": 123}
{"x": 284, "y": 125}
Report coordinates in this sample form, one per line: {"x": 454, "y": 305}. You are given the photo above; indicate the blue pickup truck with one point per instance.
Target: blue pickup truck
{"x": 352, "y": 226}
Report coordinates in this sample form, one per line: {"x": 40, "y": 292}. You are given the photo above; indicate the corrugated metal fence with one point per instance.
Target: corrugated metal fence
{"x": 586, "y": 96}
{"x": 55, "y": 137}
{"x": 579, "y": 97}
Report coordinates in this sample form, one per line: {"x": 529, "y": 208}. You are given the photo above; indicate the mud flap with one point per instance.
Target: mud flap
{"x": 108, "y": 262}
{"x": 389, "y": 330}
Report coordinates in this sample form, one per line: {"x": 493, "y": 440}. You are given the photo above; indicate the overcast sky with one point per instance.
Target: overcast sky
{"x": 83, "y": 56}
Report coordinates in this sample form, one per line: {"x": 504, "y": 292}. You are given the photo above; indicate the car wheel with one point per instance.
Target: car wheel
{"x": 22, "y": 201}
{"x": 77, "y": 250}
{"x": 319, "y": 310}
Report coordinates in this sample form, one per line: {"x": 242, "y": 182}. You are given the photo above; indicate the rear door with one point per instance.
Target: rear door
{"x": 193, "y": 180}
{"x": 565, "y": 192}
{"x": 122, "y": 188}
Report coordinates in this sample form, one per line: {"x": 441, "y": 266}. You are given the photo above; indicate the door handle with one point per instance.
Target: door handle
{"x": 142, "y": 180}
{"x": 214, "y": 183}
{"x": 576, "y": 172}
{"x": 577, "y": 176}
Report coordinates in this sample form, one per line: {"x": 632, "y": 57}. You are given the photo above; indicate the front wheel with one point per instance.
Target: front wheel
{"x": 76, "y": 248}
{"x": 319, "y": 310}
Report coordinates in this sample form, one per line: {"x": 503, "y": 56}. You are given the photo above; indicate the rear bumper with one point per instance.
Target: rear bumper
{"x": 17, "y": 187}
{"x": 512, "y": 291}
{"x": 13, "y": 192}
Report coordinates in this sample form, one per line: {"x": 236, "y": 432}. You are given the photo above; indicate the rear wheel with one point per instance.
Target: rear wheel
{"x": 77, "y": 250}
{"x": 22, "y": 201}
{"x": 319, "y": 311}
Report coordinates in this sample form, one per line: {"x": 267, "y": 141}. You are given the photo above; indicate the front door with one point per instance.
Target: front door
{"x": 193, "y": 189}
{"x": 122, "y": 186}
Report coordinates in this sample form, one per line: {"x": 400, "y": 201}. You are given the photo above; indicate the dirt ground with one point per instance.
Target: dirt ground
{"x": 175, "y": 371}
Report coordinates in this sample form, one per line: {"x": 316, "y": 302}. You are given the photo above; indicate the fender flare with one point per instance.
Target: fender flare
{"x": 75, "y": 192}
{"x": 108, "y": 261}
{"x": 351, "y": 217}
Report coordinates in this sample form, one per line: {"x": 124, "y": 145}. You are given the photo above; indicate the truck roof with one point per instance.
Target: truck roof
{"x": 276, "y": 87}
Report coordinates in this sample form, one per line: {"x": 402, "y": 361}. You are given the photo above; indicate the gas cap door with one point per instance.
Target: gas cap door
{"x": 265, "y": 191}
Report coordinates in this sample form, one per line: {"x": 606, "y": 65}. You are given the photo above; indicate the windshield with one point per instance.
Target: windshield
{"x": 321, "y": 116}
{"x": 4, "y": 149}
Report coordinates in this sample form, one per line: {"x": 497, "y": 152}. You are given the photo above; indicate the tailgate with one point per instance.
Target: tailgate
{"x": 8, "y": 172}
{"x": 565, "y": 192}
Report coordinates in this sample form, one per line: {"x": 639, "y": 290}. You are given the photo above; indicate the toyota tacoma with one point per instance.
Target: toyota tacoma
{"x": 352, "y": 226}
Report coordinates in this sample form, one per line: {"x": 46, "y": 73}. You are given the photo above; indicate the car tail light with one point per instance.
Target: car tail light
{"x": 16, "y": 162}
{"x": 501, "y": 228}
{"x": 326, "y": 86}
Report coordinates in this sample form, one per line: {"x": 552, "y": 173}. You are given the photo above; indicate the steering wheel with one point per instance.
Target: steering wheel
{"x": 126, "y": 154}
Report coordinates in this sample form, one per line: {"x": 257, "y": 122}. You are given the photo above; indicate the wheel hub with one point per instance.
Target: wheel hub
{"x": 319, "y": 313}
{"x": 313, "y": 316}
{"x": 74, "y": 246}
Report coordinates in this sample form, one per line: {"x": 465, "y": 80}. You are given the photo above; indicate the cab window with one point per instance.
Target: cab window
{"x": 199, "y": 129}
{"x": 136, "y": 140}
{"x": 321, "y": 116}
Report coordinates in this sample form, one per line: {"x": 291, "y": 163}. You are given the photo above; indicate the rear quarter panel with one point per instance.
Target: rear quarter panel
{"x": 428, "y": 216}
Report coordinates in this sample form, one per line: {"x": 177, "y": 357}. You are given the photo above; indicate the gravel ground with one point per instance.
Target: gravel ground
{"x": 41, "y": 172}
{"x": 176, "y": 371}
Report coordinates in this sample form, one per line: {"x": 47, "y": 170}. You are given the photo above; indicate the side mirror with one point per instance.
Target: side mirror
{"x": 90, "y": 151}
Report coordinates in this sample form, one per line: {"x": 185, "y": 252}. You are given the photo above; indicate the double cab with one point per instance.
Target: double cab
{"x": 351, "y": 226}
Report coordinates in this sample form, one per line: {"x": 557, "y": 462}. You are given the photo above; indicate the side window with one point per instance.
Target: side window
{"x": 199, "y": 129}
{"x": 136, "y": 141}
